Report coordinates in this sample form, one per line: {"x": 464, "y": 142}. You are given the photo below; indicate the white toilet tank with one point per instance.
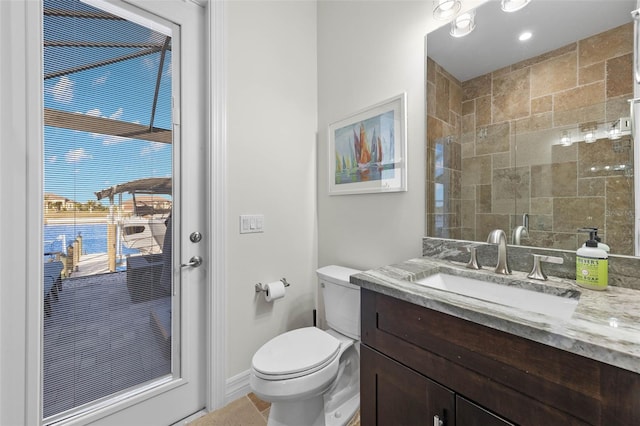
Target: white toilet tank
{"x": 341, "y": 300}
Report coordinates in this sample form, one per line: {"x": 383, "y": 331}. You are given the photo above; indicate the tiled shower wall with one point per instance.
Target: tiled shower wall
{"x": 493, "y": 149}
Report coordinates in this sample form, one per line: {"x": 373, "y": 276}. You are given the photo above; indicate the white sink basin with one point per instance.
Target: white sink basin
{"x": 559, "y": 306}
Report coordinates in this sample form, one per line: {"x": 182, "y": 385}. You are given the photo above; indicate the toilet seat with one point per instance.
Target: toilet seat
{"x": 295, "y": 353}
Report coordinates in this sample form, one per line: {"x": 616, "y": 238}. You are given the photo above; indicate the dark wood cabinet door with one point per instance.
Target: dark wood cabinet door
{"x": 392, "y": 394}
{"x": 470, "y": 414}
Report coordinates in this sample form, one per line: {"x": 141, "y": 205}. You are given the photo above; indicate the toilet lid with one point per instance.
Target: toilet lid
{"x": 295, "y": 353}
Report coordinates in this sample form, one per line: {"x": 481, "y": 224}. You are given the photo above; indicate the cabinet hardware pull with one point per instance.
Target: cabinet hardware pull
{"x": 437, "y": 421}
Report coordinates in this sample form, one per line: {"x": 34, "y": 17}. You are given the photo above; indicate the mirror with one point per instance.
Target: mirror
{"x": 533, "y": 137}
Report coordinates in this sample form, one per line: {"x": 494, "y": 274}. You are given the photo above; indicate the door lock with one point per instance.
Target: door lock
{"x": 195, "y": 237}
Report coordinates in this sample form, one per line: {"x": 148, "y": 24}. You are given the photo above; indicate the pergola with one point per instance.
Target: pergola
{"x": 104, "y": 45}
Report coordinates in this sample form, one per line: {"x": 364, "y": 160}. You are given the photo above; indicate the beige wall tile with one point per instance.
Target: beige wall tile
{"x": 618, "y": 71}
{"x": 483, "y": 198}
{"x": 442, "y": 97}
{"x": 477, "y": 170}
{"x": 564, "y": 178}
{"x": 468, "y": 214}
{"x": 534, "y": 123}
{"x": 579, "y": 97}
{"x": 541, "y": 206}
{"x": 617, "y": 107}
{"x": 431, "y": 70}
{"x": 468, "y": 107}
{"x": 541, "y": 104}
{"x": 570, "y": 214}
{"x": 591, "y": 73}
{"x": 497, "y": 139}
{"x": 511, "y": 98}
{"x": 554, "y": 75}
{"x": 485, "y": 223}
{"x": 541, "y": 184}
{"x": 546, "y": 56}
{"x": 483, "y": 111}
{"x": 591, "y": 187}
{"x": 609, "y": 44}
{"x": 476, "y": 87}
{"x": 501, "y": 160}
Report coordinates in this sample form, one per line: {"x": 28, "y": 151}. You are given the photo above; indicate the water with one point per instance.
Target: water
{"x": 94, "y": 238}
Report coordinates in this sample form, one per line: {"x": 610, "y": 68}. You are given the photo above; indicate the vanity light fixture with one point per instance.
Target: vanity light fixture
{"x": 565, "y": 138}
{"x": 463, "y": 24}
{"x": 514, "y": 5}
{"x": 446, "y": 9}
{"x": 589, "y": 132}
{"x": 614, "y": 131}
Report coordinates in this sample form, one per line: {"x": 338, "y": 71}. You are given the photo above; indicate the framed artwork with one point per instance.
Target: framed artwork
{"x": 367, "y": 150}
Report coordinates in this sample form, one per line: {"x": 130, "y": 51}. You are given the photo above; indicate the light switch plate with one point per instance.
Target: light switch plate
{"x": 251, "y": 223}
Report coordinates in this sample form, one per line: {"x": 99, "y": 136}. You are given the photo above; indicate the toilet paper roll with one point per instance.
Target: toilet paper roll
{"x": 274, "y": 291}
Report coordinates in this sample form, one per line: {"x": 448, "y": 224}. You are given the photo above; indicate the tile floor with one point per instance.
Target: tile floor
{"x": 246, "y": 411}
{"x": 97, "y": 342}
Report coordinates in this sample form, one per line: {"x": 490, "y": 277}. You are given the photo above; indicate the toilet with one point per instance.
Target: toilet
{"x": 311, "y": 376}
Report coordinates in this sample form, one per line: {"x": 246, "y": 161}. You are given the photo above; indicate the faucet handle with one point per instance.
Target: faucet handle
{"x": 537, "y": 273}
{"x": 473, "y": 260}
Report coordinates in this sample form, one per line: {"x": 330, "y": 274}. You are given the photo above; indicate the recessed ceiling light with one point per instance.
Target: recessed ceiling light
{"x": 525, "y": 36}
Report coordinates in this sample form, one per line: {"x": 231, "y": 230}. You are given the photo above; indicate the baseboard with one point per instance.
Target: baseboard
{"x": 237, "y": 386}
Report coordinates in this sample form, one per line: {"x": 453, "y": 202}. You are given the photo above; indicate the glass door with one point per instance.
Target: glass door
{"x": 122, "y": 113}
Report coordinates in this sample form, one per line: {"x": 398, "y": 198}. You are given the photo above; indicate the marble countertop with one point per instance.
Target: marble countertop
{"x": 605, "y": 325}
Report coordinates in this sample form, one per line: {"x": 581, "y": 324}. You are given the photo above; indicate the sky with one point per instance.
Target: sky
{"x": 77, "y": 164}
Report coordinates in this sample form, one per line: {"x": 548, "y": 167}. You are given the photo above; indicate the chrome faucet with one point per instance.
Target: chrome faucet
{"x": 521, "y": 231}
{"x": 497, "y": 236}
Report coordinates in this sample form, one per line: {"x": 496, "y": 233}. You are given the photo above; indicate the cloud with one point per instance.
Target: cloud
{"x": 152, "y": 147}
{"x": 116, "y": 115}
{"x": 52, "y": 159}
{"x": 94, "y": 112}
{"x": 62, "y": 91}
{"x": 112, "y": 140}
{"x": 77, "y": 155}
{"x": 101, "y": 80}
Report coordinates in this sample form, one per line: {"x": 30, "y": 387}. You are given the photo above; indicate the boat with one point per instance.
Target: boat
{"x": 149, "y": 207}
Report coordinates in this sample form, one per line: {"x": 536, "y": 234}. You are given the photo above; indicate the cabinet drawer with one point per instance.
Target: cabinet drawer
{"x": 470, "y": 414}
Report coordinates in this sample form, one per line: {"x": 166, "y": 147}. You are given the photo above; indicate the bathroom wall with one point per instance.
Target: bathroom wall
{"x": 369, "y": 51}
{"x": 271, "y": 169}
{"x": 506, "y": 125}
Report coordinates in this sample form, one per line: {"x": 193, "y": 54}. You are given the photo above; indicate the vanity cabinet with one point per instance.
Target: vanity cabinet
{"x": 417, "y": 363}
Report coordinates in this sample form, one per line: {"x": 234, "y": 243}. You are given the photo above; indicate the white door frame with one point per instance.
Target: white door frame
{"x": 216, "y": 312}
{"x": 20, "y": 300}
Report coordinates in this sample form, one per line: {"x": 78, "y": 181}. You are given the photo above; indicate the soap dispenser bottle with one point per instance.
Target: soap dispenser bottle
{"x": 592, "y": 264}
{"x": 596, "y": 237}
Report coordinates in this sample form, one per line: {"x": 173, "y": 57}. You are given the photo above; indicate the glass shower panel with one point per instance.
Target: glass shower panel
{"x": 572, "y": 176}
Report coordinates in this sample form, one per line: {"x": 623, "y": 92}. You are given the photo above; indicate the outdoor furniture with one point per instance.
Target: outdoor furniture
{"x": 52, "y": 283}
{"x": 143, "y": 277}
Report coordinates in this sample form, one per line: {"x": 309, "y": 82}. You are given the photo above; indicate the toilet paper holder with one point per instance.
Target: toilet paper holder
{"x": 260, "y": 287}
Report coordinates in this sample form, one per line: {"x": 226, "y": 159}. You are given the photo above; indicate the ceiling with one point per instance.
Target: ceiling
{"x": 494, "y": 43}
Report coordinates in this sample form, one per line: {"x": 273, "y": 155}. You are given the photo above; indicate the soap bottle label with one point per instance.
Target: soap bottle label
{"x": 592, "y": 273}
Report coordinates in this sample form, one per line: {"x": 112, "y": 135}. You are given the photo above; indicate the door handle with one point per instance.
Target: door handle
{"x": 194, "y": 262}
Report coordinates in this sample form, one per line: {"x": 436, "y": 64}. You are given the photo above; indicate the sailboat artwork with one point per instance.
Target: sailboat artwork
{"x": 367, "y": 150}
{"x": 364, "y": 151}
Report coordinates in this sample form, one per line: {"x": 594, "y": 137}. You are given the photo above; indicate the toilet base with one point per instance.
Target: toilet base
{"x": 344, "y": 413}
{"x": 306, "y": 412}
